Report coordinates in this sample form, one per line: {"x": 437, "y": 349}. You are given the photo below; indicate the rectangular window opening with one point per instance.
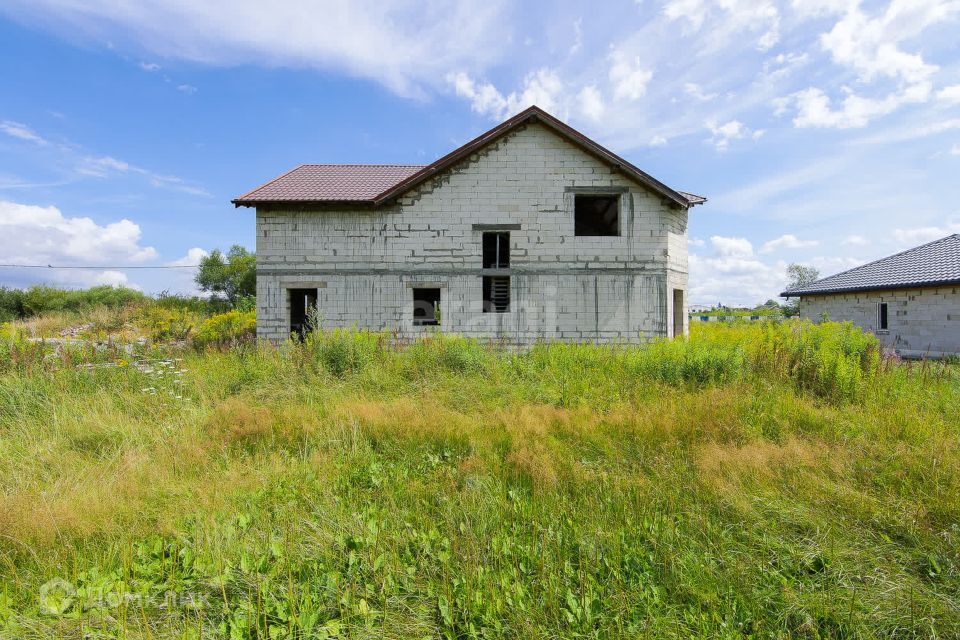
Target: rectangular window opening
{"x": 596, "y": 215}
{"x": 496, "y": 294}
{"x": 496, "y": 250}
{"x": 882, "y": 316}
{"x": 303, "y": 303}
{"x": 426, "y": 306}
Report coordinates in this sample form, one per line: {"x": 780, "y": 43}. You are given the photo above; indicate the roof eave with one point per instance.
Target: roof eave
{"x": 314, "y": 202}
{"x": 886, "y": 287}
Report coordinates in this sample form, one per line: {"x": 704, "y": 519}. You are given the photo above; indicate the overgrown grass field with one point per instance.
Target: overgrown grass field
{"x": 758, "y": 481}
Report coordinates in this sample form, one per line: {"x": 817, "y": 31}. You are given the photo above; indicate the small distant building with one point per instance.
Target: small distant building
{"x": 910, "y": 300}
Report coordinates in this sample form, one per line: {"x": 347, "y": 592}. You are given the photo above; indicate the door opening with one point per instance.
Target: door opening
{"x": 303, "y": 303}
{"x": 679, "y": 311}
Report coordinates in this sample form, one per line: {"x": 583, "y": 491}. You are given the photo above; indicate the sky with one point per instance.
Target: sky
{"x": 823, "y": 132}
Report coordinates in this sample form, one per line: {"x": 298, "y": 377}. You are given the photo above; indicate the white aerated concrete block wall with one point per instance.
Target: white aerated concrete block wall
{"x": 364, "y": 262}
{"x": 919, "y": 321}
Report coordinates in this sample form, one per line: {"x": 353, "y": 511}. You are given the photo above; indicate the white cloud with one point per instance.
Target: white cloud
{"x": 591, "y": 102}
{"x": 786, "y": 241}
{"x": 21, "y": 131}
{"x": 920, "y": 235}
{"x": 696, "y": 92}
{"x": 31, "y": 234}
{"x": 732, "y": 247}
{"x": 692, "y": 11}
{"x": 829, "y": 265}
{"x": 112, "y": 278}
{"x": 149, "y": 66}
{"x": 911, "y": 131}
{"x": 869, "y": 45}
{"x": 188, "y": 89}
{"x": 814, "y": 107}
{"x": 955, "y": 150}
{"x": 190, "y": 259}
{"x": 403, "y": 44}
{"x": 101, "y": 167}
{"x": 855, "y": 241}
{"x": 577, "y": 37}
{"x": 731, "y": 15}
{"x": 95, "y": 166}
{"x": 183, "y": 279}
{"x": 105, "y": 166}
{"x": 732, "y": 275}
{"x": 542, "y": 88}
{"x": 629, "y": 77}
{"x": 658, "y": 141}
{"x": 950, "y": 94}
{"x": 73, "y": 278}
{"x": 723, "y": 134}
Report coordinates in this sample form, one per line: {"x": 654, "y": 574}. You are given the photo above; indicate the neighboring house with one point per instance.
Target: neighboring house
{"x": 530, "y": 232}
{"x": 910, "y": 300}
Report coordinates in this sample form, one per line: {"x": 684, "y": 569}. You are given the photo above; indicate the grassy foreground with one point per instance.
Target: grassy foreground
{"x": 773, "y": 481}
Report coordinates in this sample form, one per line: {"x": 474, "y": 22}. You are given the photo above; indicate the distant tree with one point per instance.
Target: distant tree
{"x": 798, "y": 275}
{"x": 770, "y": 306}
{"x": 232, "y": 276}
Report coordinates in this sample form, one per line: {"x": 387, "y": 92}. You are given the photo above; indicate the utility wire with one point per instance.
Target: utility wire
{"x": 50, "y": 266}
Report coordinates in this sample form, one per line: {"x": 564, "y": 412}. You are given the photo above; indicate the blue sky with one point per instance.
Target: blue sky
{"x": 823, "y": 132}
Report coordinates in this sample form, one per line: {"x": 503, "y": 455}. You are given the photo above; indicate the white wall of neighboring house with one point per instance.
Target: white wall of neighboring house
{"x": 920, "y": 321}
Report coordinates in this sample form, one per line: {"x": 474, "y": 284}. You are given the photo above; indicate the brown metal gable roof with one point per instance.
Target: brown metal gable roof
{"x": 358, "y": 183}
{"x": 329, "y": 183}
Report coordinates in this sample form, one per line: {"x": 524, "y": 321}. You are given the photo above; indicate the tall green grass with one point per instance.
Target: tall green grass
{"x": 778, "y": 481}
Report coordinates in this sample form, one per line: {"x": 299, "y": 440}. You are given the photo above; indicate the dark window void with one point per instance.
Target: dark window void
{"x": 426, "y": 306}
{"x": 596, "y": 215}
{"x": 496, "y": 250}
{"x": 678, "y": 313}
{"x": 882, "y": 316}
{"x": 496, "y": 294}
{"x": 303, "y": 303}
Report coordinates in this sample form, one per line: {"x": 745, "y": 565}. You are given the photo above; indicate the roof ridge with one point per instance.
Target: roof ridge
{"x": 360, "y": 164}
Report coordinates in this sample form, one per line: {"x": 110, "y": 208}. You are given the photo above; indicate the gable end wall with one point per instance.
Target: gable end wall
{"x": 364, "y": 262}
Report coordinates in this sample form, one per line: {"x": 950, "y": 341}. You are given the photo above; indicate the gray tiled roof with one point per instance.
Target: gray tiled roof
{"x": 934, "y": 263}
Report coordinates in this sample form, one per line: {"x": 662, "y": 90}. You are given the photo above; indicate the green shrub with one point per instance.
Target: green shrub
{"x": 26, "y": 303}
{"x": 194, "y": 304}
{"x": 164, "y": 324}
{"x": 831, "y": 360}
{"x": 344, "y": 351}
{"x": 683, "y": 361}
{"x": 449, "y": 352}
{"x": 230, "y": 328}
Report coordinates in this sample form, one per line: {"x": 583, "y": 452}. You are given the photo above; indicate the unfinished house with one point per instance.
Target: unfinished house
{"x": 910, "y": 300}
{"x": 530, "y": 232}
